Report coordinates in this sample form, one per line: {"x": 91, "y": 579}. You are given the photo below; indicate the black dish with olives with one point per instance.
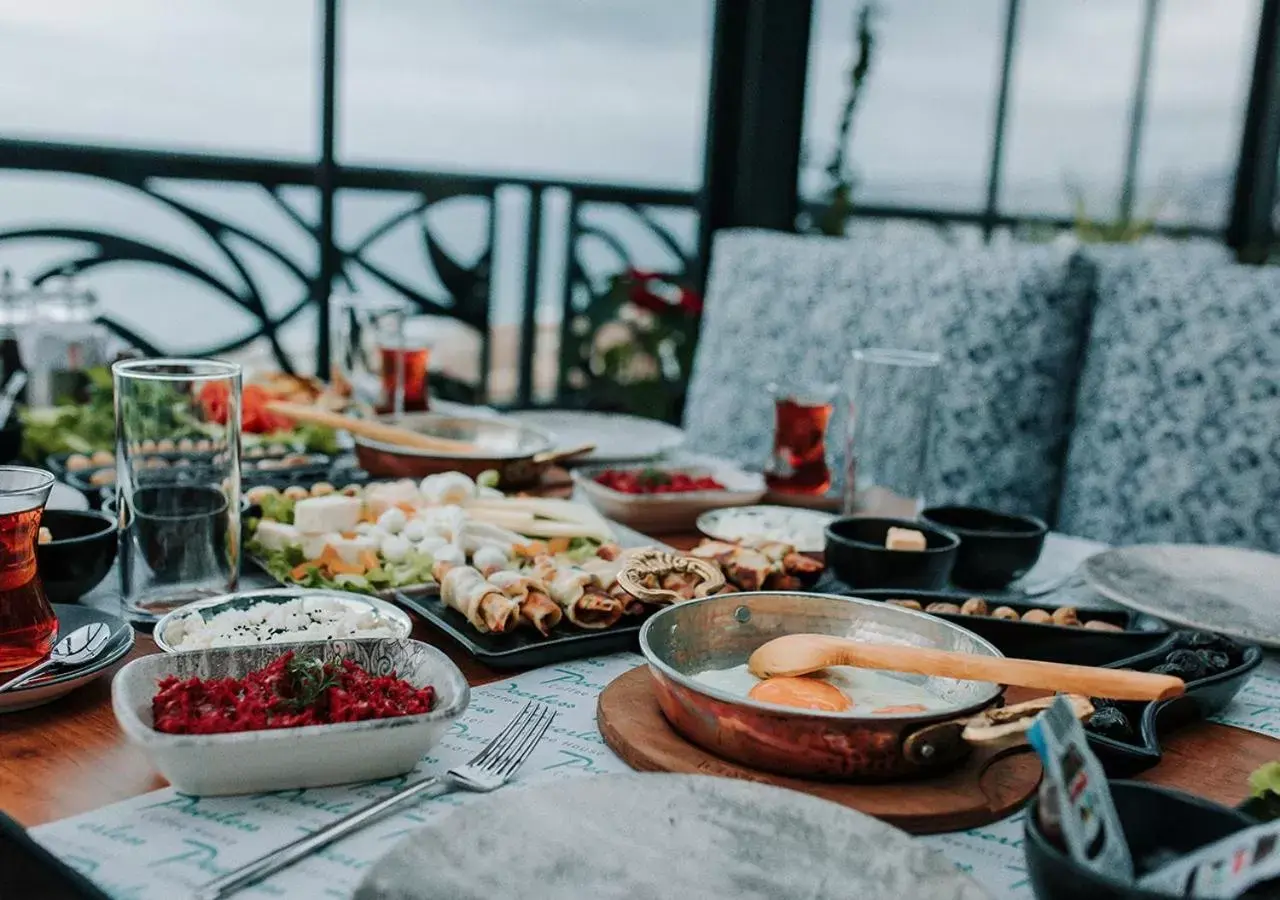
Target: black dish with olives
{"x": 1126, "y": 735}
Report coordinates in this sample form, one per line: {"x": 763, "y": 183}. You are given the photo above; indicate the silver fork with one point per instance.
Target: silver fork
{"x": 491, "y": 768}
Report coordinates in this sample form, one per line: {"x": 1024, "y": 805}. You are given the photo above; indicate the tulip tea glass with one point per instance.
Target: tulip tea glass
{"x": 179, "y": 524}
{"x": 381, "y": 354}
{"x": 798, "y": 464}
{"x": 27, "y": 623}
{"x": 892, "y": 394}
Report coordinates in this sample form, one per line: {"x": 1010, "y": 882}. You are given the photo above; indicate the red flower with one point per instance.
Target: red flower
{"x": 691, "y": 301}
{"x": 668, "y": 297}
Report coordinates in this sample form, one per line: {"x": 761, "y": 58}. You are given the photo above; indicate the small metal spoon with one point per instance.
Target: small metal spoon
{"x": 80, "y": 646}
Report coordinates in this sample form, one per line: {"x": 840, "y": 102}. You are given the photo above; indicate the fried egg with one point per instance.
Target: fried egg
{"x": 835, "y": 689}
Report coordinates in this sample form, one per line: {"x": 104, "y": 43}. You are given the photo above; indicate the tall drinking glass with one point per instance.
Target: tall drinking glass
{"x": 179, "y": 525}
{"x": 381, "y": 353}
{"x": 891, "y": 401}
{"x": 27, "y": 623}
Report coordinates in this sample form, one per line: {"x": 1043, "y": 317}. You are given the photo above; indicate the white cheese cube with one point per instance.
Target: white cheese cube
{"x": 350, "y": 549}
{"x": 904, "y": 539}
{"x": 277, "y": 535}
{"x": 333, "y": 512}
{"x": 382, "y": 497}
{"x": 313, "y": 544}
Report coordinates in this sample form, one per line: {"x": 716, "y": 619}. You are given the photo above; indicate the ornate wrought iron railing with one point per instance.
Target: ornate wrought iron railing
{"x": 580, "y": 232}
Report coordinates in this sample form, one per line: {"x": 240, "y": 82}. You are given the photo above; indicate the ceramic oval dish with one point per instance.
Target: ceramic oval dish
{"x": 673, "y": 511}
{"x": 289, "y": 758}
{"x": 389, "y": 616}
{"x": 802, "y": 528}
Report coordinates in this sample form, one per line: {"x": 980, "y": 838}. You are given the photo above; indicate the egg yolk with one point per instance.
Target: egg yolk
{"x": 806, "y": 693}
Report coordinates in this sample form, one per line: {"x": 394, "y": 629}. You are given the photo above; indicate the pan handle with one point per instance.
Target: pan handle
{"x": 1003, "y": 726}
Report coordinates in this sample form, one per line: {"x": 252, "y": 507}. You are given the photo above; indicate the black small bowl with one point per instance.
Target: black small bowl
{"x": 79, "y": 556}
{"x": 855, "y": 550}
{"x": 1153, "y": 818}
{"x": 995, "y": 547}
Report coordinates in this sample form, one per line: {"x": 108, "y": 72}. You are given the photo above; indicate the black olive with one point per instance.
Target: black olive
{"x": 1214, "y": 660}
{"x": 1187, "y": 665}
{"x": 1110, "y": 722}
{"x": 1166, "y": 669}
{"x": 1203, "y": 640}
{"x": 1197, "y": 640}
{"x": 1101, "y": 702}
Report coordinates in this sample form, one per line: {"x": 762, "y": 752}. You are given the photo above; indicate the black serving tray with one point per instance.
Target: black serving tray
{"x": 1136, "y": 636}
{"x": 522, "y": 648}
{"x": 337, "y": 470}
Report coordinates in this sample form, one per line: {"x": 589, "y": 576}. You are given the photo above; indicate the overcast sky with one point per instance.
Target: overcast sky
{"x": 615, "y": 90}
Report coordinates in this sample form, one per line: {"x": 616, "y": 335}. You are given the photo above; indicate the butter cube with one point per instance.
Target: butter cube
{"x": 904, "y": 539}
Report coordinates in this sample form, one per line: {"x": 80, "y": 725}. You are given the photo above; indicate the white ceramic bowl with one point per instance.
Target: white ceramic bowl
{"x": 391, "y": 617}
{"x": 287, "y": 758}
{"x": 670, "y": 512}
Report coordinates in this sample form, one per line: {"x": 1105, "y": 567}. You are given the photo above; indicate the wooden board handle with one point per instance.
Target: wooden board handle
{"x": 369, "y": 428}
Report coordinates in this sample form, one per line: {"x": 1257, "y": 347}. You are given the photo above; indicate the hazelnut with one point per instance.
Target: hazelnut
{"x": 351, "y": 490}
{"x": 941, "y": 607}
{"x": 1066, "y": 615}
{"x": 1037, "y": 617}
{"x": 77, "y": 462}
{"x": 906, "y": 604}
{"x": 103, "y": 458}
{"x": 1099, "y": 625}
{"x": 974, "y": 606}
{"x": 1005, "y": 612}
{"x": 166, "y": 446}
{"x": 321, "y": 489}
{"x": 260, "y": 493}
{"x": 296, "y": 492}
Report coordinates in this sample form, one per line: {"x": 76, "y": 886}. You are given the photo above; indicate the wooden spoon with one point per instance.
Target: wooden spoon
{"x": 369, "y": 428}
{"x": 546, "y": 457}
{"x": 801, "y": 654}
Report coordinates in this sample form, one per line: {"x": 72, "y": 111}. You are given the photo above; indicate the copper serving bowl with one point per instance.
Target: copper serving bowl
{"x": 721, "y": 632}
{"x": 515, "y": 451}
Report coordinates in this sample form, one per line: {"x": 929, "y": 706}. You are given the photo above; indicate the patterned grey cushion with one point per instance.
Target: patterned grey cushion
{"x": 1008, "y": 321}
{"x": 1178, "y": 417}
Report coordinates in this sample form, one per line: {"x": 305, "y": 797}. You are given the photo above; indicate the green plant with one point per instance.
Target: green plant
{"x": 841, "y": 179}
{"x": 1124, "y": 230}
{"x": 631, "y": 349}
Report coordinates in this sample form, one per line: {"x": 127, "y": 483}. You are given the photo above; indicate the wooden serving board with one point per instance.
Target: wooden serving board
{"x": 1203, "y": 758}
{"x": 984, "y": 788}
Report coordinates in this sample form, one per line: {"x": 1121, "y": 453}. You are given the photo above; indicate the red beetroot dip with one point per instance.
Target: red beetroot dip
{"x": 286, "y": 693}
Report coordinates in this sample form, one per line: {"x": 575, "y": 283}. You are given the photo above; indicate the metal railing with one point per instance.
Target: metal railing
{"x": 465, "y": 291}
{"x": 746, "y": 183}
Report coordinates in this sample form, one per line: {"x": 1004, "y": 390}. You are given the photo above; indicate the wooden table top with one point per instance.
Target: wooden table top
{"x": 69, "y": 756}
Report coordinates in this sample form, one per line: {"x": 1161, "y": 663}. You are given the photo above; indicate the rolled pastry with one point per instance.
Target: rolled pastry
{"x": 584, "y": 604}
{"x": 537, "y": 609}
{"x": 484, "y": 605}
